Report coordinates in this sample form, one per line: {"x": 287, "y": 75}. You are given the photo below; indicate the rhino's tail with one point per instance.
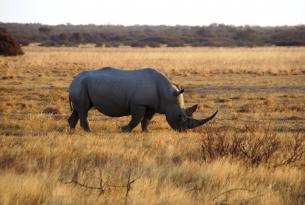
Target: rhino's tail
{"x": 70, "y": 103}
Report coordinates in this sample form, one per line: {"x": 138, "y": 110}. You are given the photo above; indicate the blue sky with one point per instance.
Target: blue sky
{"x": 154, "y": 12}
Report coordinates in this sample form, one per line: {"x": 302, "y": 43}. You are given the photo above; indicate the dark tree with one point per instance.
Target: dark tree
{"x": 9, "y": 45}
{"x": 44, "y": 30}
{"x": 3, "y": 29}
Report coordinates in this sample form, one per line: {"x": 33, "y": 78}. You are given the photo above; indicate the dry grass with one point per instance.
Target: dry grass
{"x": 252, "y": 153}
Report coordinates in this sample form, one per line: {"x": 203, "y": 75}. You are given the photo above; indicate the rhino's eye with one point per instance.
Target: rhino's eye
{"x": 182, "y": 117}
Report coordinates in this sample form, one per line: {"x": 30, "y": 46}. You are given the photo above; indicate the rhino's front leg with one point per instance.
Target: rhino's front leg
{"x": 146, "y": 119}
{"x": 137, "y": 112}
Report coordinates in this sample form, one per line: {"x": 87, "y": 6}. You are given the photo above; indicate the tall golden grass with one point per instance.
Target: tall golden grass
{"x": 272, "y": 60}
{"x": 253, "y": 152}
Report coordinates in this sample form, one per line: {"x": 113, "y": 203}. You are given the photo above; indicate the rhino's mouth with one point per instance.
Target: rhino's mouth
{"x": 180, "y": 130}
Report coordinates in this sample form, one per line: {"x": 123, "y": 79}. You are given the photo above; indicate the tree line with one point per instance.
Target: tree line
{"x": 214, "y": 35}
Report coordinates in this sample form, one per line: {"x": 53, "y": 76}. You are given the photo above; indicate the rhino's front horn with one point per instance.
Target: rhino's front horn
{"x": 195, "y": 123}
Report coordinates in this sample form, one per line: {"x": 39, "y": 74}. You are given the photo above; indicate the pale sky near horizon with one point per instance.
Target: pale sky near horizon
{"x": 154, "y": 12}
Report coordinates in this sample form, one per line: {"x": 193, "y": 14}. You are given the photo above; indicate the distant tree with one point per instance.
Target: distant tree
{"x": 154, "y": 39}
{"x": 75, "y": 39}
{"x": 154, "y": 44}
{"x": 24, "y": 42}
{"x": 63, "y": 37}
{"x": 99, "y": 44}
{"x": 203, "y": 31}
{"x": 244, "y": 35}
{"x": 44, "y": 30}
{"x": 112, "y": 44}
{"x": 175, "y": 43}
{"x": 3, "y": 29}
{"x": 9, "y": 45}
{"x": 139, "y": 44}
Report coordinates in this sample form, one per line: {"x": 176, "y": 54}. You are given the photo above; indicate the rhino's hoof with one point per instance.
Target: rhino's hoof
{"x": 126, "y": 129}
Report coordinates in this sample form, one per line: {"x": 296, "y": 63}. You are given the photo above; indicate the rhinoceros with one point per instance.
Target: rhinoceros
{"x": 139, "y": 93}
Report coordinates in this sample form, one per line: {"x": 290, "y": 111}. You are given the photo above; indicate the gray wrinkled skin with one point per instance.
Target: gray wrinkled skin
{"x": 139, "y": 93}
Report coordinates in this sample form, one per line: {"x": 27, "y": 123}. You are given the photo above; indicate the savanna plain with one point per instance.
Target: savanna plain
{"x": 252, "y": 152}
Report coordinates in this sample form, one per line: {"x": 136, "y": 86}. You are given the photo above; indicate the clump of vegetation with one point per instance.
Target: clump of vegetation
{"x": 51, "y": 110}
{"x": 254, "y": 150}
{"x": 9, "y": 45}
{"x": 250, "y": 107}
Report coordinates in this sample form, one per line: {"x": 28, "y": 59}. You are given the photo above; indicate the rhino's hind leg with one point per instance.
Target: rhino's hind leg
{"x": 82, "y": 110}
{"x": 84, "y": 122}
{"x": 137, "y": 113}
{"x": 73, "y": 119}
{"x": 146, "y": 119}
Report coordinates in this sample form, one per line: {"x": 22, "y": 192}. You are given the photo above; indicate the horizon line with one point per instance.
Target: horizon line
{"x": 155, "y": 25}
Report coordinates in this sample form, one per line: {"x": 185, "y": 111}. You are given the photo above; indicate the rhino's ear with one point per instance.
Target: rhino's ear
{"x": 180, "y": 92}
{"x": 176, "y": 93}
{"x": 190, "y": 110}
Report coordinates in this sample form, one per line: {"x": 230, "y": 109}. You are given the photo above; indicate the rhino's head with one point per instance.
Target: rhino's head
{"x": 180, "y": 118}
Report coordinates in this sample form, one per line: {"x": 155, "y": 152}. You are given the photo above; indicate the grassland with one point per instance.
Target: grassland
{"x": 252, "y": 153}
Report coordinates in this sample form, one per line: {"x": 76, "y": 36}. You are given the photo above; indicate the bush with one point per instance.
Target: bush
{"x": 112, "y": 45}
{"x": 138, "y": 44}
{"x": 154, "y": 44}
{"x": 24, "y": 42}
{"x": 260, "y": 147}
{"x": 252, "y": 150}
{"x": 175, "y": 44}
{"x": 9, "y": 45}
{"x": 99, "y": 44}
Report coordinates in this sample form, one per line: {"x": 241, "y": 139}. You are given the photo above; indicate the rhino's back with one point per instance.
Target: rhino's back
{"x": 112, "y": 90}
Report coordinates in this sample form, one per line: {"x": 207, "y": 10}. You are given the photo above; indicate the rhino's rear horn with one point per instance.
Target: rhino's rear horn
{"x": 190, "y": 110}
{"x": 196, "y": 123}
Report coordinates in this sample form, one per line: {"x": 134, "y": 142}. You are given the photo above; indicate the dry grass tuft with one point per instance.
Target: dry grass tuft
{"x": 250, "y": 107}
{"x": 51, "y": 110}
